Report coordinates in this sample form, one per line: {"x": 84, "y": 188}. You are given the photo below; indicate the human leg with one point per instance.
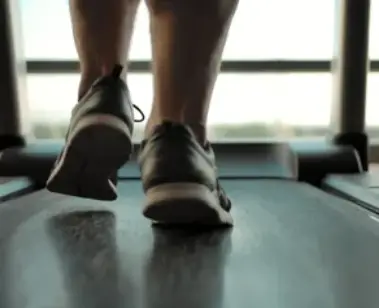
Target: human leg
{"x": 102, "y": 33}
{"x": 188, "y": 38}
{"x": 98, "y": 141}
{"x": 177, "y": 162}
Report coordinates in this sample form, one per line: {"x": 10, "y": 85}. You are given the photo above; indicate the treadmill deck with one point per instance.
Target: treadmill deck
{"x": 292, "y": 246}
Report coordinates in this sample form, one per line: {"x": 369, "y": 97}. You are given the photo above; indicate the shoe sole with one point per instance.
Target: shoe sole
{"x": 99, "y": 146}
{"x": 185, "y": 203}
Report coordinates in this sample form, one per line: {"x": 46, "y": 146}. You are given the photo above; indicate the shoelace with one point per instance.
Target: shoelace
{"x": 140, "y": 112}
{"x": 116, "y": 73}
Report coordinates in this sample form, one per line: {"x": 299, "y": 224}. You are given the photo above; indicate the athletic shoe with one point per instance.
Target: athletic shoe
{"x": 180, "y": 180}
{"x": 98, "y": 141}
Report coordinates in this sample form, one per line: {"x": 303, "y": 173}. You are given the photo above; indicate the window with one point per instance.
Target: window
{"x": 273, "y": 33}
{"x": 259, "y": 104}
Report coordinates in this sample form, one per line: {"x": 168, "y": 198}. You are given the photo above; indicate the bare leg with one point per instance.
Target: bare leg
{"x": 99, "y": 136}
{"x": 102, "y": 32}
{"x": 179, "y": 176}
{"x": 188, "y": 37}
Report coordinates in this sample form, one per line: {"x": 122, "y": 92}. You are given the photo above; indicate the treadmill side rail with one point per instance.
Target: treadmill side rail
{"x": 362, "y": 189}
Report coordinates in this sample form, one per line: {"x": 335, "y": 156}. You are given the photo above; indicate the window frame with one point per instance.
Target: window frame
{"x": 246, "y": 66}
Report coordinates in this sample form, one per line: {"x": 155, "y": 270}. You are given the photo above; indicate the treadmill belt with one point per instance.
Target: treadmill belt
{"x": 292, "y": 247}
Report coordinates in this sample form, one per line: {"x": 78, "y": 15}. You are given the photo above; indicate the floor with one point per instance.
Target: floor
{"x": 291, "y": 246}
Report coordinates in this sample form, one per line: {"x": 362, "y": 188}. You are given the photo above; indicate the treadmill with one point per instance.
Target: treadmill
{"x": 293, "y": 244}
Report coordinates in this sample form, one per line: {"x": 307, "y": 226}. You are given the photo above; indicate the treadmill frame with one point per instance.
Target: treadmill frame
{"x": 360, "y": 188}
{"x": 350, "y": 68}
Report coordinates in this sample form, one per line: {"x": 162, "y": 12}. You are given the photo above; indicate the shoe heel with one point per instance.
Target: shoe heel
{"x": 99, "y": 146}
{"x": 103, "y": 143}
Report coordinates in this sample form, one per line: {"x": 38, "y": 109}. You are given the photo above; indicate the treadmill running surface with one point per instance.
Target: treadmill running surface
{"x": 292, "y": 246}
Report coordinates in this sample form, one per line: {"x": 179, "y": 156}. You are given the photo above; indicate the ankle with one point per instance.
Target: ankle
{"x": 88, "y": 77}
{"x": 199, "y": 130}
{"x": 149, "y": 127}
{"x": 85, "y": 84}
{"x": 155, "y": 120}
{"x": 114, "y": 69}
